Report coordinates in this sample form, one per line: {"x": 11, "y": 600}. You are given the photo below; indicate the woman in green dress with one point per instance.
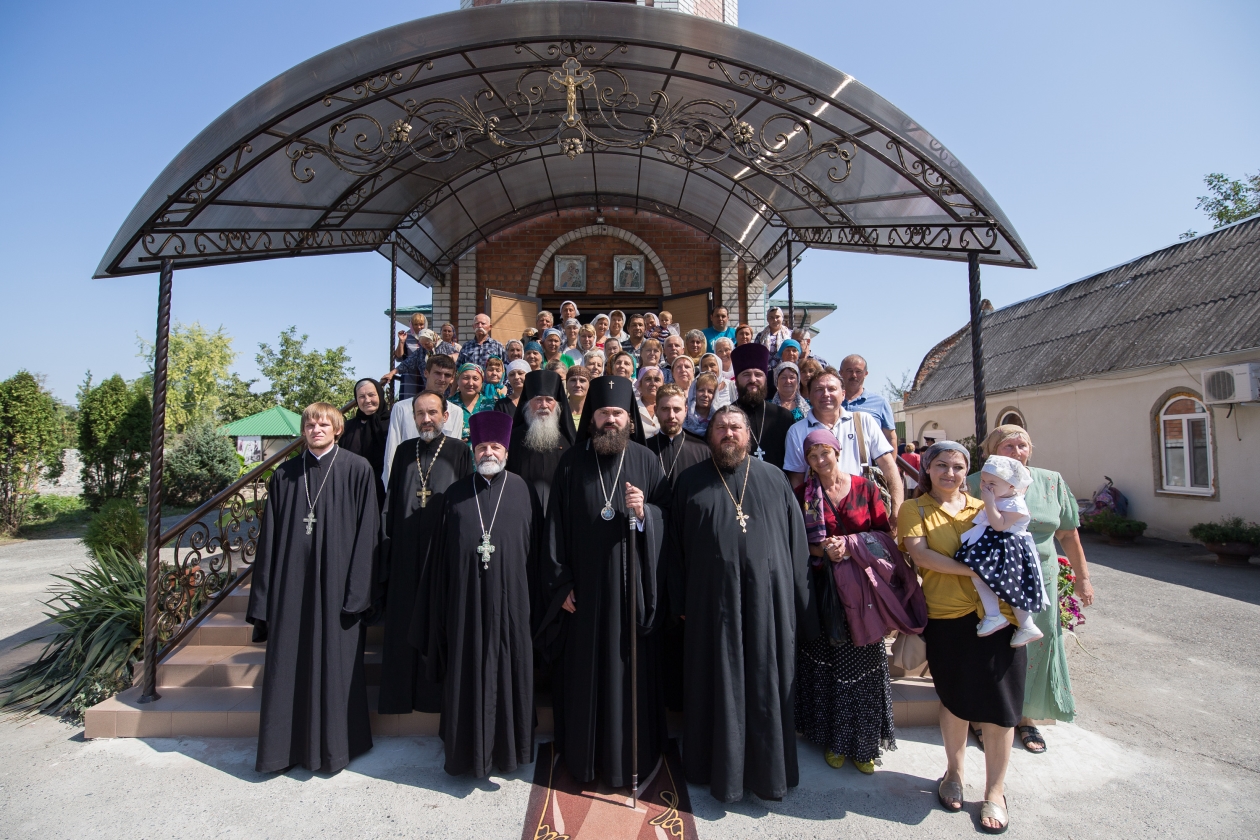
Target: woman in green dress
{"x": 1048, "y": 689}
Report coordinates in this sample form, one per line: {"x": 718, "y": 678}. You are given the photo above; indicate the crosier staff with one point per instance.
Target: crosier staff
{"x": 634, "y": 507}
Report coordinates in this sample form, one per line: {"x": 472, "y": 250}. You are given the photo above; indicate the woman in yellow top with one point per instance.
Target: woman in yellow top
{"x": 978, "y": 679}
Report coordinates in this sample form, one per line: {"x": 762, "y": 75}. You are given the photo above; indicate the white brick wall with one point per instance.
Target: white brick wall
{"x": 441, "y": 304}
{"x": 730, "y": 284}
{"x": 469, "y": 306}
{"x": 756, "y": 305}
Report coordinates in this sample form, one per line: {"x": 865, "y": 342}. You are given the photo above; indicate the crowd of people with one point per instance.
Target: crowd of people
{"x": 726, "y": 497}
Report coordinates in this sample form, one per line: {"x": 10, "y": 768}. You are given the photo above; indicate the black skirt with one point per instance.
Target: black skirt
{"x": 978, "y": 679}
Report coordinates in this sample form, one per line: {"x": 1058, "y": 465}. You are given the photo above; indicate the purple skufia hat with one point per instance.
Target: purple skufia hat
{"x": 814, "y": 438}
{"x": 749, "y": 357}
{"x": 490, "y": 427}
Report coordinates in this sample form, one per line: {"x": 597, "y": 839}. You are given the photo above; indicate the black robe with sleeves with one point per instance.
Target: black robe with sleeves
{"x": 409, "y": 531}
{"x": 746, "y": 601}
{"x": 307, "y": 593}
{"x": 477, "y": 640}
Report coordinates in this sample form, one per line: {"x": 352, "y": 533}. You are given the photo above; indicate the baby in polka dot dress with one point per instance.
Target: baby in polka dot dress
{"x": 1002, "y": 553}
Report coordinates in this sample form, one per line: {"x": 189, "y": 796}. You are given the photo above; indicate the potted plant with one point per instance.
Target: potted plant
{"x": 1120, "y": 531}
{"x": 1231, "y": 539}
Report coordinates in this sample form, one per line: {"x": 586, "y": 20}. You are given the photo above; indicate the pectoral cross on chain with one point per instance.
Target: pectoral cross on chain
{"x": 309, "y": 519}
{"x": 571, "y": 79}
{"x": 485, "y": 550}
{"x": 742, "y": 518}
{"x": 760, "y": 454}
{"x": 423, "y": 495}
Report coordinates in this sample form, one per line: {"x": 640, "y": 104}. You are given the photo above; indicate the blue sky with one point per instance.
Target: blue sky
{"x": 1092, "y": 123}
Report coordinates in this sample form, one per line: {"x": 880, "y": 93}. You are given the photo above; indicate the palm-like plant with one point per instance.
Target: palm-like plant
{"x": 99, "y": 612}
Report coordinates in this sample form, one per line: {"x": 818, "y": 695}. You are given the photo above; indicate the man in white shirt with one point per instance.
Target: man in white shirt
{"x": 827, "y": 412}
{"x": 439, "y": 374}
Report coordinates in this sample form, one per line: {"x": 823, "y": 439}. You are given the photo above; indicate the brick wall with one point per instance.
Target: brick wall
{"x": 506, "y": 261}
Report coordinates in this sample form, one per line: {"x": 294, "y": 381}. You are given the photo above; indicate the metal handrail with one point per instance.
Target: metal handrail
{"x": 213, "y": 503}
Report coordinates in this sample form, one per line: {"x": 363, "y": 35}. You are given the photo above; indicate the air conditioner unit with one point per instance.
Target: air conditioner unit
{"x": 1233, "y": 384}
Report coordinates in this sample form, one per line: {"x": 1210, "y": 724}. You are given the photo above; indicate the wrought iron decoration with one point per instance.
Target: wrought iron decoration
{"x": 700, "y": 131}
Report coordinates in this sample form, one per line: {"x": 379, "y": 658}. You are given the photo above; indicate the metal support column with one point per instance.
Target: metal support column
{"x": 791, "y": 288}
{"x": 157, "y": 445}
{"x": 393, "y": 314}
{"x": 977, "y": 347}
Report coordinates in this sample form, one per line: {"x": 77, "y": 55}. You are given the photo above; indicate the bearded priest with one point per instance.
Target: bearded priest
{"x": 604, "y": 479}
{"x": 737, "y": 565}
{"x": 542, "y": 431}
{"x": 424, "y": 468}
{"x": 311, "y": 585}
{"x": 477, "y": 636}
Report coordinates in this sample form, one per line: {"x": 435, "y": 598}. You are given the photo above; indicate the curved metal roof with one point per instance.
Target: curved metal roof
{"x": 448, "y": 129}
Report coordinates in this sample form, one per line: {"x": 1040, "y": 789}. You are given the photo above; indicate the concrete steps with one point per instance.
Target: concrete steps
{"x": 211, "y": 687}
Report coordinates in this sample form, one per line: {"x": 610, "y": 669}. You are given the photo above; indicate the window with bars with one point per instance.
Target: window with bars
{"x": 1185, "y": 447}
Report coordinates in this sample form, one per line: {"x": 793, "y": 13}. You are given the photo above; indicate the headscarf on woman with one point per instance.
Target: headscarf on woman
{"x": 364, "y": 434}
{"x": 815, "y": 520}
{"x": 935, "y": 451}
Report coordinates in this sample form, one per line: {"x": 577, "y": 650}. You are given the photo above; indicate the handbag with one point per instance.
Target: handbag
{"x": 909, "y": 653}
{"x": 869, "y": 471}
{"x": 835, "y": 627}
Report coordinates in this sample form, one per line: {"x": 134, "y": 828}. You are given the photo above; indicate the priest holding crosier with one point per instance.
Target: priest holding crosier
{"x": 738, "y": 564}
{"x": 312, "y": 582}
{"x": 604, "y": 479}
{"x": 424, "y": 468}
{"x": 476, "y": 635}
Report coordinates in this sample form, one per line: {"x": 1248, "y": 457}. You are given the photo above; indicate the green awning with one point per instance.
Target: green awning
{"x": 274, "y": 422}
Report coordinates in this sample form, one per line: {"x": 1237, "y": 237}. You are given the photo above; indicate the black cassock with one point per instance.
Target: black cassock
{"x": 306, "y": 596}
{"x": 746, "y": 599}
{"x": 409, "y": 530}
{"x": 675, "y": 456}
{"x": 587, "y": 554}
{"x": 477, "y": 642}
{"x": 769, "y": 427}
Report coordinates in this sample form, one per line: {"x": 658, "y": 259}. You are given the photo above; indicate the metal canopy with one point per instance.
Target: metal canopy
{"x": 448, "y": 129}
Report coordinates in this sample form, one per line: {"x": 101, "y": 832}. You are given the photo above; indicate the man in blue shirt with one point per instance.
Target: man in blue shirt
{"x": 853, "y": 376}
{"x": 720, "y": 320}
{"x": 481, "y": 346}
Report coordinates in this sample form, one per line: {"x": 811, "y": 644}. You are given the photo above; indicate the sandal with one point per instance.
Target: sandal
{"x": 1030, "y": 735}
{"x": 993, "y": 811}
{"x": 975, "y": 730}
{"x": 950, "y": 795}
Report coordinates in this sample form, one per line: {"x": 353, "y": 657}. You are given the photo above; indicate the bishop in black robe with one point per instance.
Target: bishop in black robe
{"x": 587, "y": 556}
{"x": 744, "y": 592}
{"x": 411, "y": 522}
{"x": 308, "y": 591}
{"x": 530, "y": 463}
{"x": 477, "y": 640}
{"x": 769, "y": 423}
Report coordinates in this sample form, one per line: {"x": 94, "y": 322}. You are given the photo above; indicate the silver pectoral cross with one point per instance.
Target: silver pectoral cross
{"x": 760, "y": 453}
{"x": 485, "y": 550}
{"x": 309, "y": 519}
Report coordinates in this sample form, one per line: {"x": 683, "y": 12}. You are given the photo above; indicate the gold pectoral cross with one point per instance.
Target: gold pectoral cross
{"x": 742, "y": 518}
{"x": 571, "y": 79}
{"x": 423, "y": 495}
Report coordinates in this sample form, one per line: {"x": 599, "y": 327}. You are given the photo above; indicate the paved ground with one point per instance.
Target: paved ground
{"x": 1166, "y": 745}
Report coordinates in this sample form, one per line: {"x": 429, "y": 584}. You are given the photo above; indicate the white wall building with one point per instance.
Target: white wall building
{"x": 1108, "y": 376}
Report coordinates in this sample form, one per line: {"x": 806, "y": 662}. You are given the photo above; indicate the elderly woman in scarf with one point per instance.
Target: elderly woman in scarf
{"x": 515, "y": 377}
{"x": 843, "y": 691}
{"x": 787, "y": 394}
{"x": 364, "y": 433}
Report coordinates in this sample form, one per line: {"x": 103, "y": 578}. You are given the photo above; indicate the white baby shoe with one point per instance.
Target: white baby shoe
{"x": 1023, "y": 637}
{"x": 991, "y": 624}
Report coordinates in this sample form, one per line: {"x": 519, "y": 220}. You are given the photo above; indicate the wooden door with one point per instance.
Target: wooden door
{"x": 510, "y": 315}
{"x": 690, "y": 310}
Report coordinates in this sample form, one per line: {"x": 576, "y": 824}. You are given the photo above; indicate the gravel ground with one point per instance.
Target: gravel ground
{"x": 1165, "y": 745}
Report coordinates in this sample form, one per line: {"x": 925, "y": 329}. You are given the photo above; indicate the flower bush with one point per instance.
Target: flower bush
{"x": 1071, "y": 615}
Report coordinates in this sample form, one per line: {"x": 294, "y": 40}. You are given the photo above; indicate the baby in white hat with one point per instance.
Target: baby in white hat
{"x": 1002, "y": 553}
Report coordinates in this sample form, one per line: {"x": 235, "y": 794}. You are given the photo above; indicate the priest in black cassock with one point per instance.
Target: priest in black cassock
{"x": 477, "y": 641}
{"x": 737, "y": 566}
{"x": 542, "y": 431}
{"x": 607, "y": 474}
{"x": 676, "y": 450}
{"x": 424, "y": 467}
{"x": 768, "y": 423}
{"x": 312, "y": 582}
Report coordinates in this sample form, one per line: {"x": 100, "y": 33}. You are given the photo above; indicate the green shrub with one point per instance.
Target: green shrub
{"x": 118, "y": 526}
{"x": 114, "y": 421}
{"x": 201, "y": 464}
{"x": 1120, "y": 528}
{"x": 31, "y": 443}
{"x": 1226, "y": 530}
{"x": 99, "y": 613}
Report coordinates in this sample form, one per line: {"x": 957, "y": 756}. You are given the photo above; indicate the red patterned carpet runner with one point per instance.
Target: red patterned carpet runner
{"x": 562, "y": 809}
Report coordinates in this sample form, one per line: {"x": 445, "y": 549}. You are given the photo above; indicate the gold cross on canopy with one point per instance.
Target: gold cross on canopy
{"x": 571, "y": 80}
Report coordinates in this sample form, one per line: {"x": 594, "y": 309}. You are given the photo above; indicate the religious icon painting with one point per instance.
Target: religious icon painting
{"x": 628, "y": 273}
{"x": 570, "y": 273}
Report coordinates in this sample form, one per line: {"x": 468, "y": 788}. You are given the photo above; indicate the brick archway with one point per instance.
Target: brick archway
{"x": 599, "y": 230}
